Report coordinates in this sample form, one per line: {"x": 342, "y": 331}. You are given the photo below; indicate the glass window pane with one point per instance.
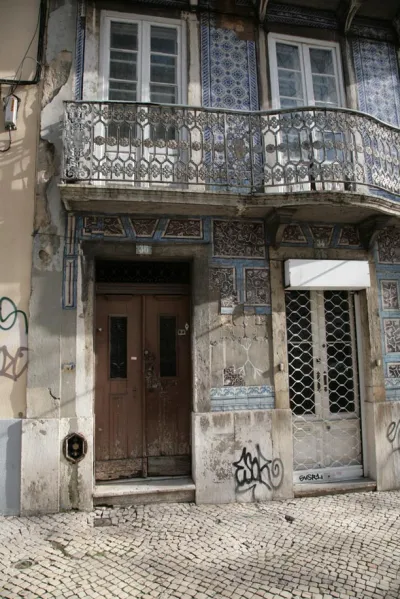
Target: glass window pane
{"x": 290, "y": 84}
{"x": 164, "y": 40}
{"x": 167, "y": 346}
{"x": 124, "y": 35}
{"x": 119, "y": 91}
{"x": 163, "y": 69}
{"x": 325, "y": 89}
{"x": 118, "y": 347}
{"x": 163, "y": 94}
{"x": 288, "y": 56}
{"x": 290, "y": 102}
{"x": 321, "y": 61}
{"x": 123, "y": 69}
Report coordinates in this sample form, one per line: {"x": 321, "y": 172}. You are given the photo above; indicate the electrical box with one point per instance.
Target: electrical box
{"x": 10, "y": 112}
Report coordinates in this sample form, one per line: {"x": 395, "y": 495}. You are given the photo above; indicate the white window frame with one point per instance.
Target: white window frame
{"x": 144, "y": 23}
{"x": 302, "y": 43}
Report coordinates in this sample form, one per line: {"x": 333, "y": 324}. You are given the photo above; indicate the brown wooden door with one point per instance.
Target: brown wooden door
{"x": 142, "y": 403}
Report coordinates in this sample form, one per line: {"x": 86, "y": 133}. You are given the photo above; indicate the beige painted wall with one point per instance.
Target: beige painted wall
{"x": 17, "y": 193}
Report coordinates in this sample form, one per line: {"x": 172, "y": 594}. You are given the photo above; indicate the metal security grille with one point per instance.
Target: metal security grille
{"x": 323, "y": 385}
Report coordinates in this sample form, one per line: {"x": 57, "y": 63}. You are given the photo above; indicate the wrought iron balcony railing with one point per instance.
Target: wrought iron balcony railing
{"x": 298, "y": 149}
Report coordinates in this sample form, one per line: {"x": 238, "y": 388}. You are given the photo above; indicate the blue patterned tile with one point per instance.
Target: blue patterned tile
{"x": 377, "y": 79}
{"x": 242, "y": 398}
{"x": 228, "y": 68}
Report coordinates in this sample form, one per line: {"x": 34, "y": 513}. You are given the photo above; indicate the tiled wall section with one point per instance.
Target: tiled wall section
{"x": 388, "y": 273}
{"x": 378, "y": 80}
{"x": 238, "y": 258}
{"x": 228, "y": 68}
{"x": 226, "y": 399}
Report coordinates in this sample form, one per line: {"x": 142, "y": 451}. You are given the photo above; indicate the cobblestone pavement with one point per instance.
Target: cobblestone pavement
{"x": 316, "y": 548}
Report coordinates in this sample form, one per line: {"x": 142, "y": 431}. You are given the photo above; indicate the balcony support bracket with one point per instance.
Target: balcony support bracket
{"x": 276, "y": 222}
{"x": 370, "y": 228}
{"x": 347, "y": 11}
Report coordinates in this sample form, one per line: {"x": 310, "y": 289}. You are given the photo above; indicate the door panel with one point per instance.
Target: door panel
{"x": 167, "y": 388}
{"x": 142, "y": 403}
{"x": 118, "y": 404}
{"x": 323, "y": 385}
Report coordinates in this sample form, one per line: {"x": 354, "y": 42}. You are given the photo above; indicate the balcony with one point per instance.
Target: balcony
{"x": 133, "y": 156}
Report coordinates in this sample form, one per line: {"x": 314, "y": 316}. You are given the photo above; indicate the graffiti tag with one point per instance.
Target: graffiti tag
{"x": 393, "y": 434}
{"x": 13, "y": 362}
{"x": 251, "y": 471}
{"x": 13, "y": 366}
{"x": 9, "y": 314}
{"x": 304, "y": 477}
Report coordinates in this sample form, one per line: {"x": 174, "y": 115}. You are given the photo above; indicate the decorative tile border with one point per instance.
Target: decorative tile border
{"x": 70, "y": 263}
{"x": 321, "y": 235}
{"x": 238, "y": 246}
{"x": 388, "y": 278}
{"x": 227, "y": 399}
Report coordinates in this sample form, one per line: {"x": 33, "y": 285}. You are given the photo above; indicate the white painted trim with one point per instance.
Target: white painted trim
{"x": 304, "y": 44}
{"x": 144, "y": 23}
{"x": 361, "y": 382}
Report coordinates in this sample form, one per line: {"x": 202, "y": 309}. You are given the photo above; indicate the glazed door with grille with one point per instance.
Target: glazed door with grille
{"x": 323, "y": 385}
{"x": 142, "y": 397}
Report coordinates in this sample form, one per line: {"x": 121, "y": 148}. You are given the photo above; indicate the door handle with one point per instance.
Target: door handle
{"x": 325, "y": 382}
{"x": 319, "y": 381}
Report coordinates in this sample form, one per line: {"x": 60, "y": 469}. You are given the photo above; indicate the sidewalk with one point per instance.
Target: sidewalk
{"x": 315, "y": 548}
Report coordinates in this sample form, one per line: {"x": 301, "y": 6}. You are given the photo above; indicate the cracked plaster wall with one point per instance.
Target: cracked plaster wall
{"x": 48, "y": 482}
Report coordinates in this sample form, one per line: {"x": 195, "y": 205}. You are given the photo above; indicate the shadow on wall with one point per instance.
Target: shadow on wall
{"x": 10, "y": 466}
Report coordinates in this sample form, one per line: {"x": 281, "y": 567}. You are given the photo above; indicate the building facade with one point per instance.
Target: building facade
{"x": 215, "y": 307}
{"x": 21, "y": 29}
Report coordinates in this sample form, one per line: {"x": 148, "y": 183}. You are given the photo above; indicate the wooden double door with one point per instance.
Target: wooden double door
{"x": 143, "y": 390}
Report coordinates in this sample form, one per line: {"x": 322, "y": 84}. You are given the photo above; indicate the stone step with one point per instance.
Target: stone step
{"x": 346, "y": 486}
{"x": 145, "y": 490}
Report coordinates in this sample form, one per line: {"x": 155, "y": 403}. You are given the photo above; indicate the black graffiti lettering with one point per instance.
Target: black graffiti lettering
{"x": 13, "y": 366}
{"x": 393, "y": 435}
{"x": 310, "y": 476}
{"x": 252, "y": 471}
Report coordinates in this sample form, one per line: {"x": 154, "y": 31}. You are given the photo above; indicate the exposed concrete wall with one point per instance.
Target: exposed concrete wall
{"x": 241, "y": 351}
{"x": 386, "y": 420}
{"x": 243, "y": 456}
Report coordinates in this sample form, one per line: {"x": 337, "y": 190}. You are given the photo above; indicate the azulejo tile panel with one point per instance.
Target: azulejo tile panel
{"x": 144, "y": 227}
{"x": 109, "y": 226}
{"x": 232, "y": 378}
{"x": 322, "y": 235}
{"x": 223, "y": 280}
{"x": 378, "y": 80}
{"x": 238, "y": 239}
{"x": 389, "y": 246}
{"x": 294, "y": 234}
{"x": 228, "y": 68}
{"x": 390, "y": 295}
{"x": 257, "y": 287}
{"x": 391, "y": 327}
{"x": 234, "y": 398}
{"x": 349, "y": 237}
{"x": 191, "y": 228}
